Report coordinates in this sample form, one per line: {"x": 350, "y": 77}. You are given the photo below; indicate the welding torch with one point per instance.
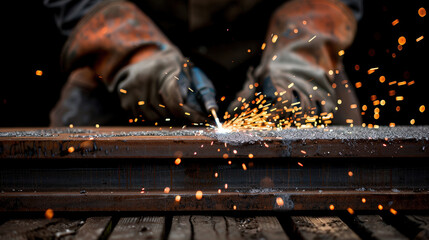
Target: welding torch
{"x": 206, "y": 93}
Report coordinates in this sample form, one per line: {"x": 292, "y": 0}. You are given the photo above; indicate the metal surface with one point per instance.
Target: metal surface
{"x": 135, "y": 169}
{"x": 333, "y": 142}
{"x": 211, "y": 175}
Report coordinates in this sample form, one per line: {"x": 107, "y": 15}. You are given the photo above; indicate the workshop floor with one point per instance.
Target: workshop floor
{"x": 325, "y": 225}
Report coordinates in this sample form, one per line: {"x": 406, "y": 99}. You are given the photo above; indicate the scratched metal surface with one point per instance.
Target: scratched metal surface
{"x": 128, "y": 142}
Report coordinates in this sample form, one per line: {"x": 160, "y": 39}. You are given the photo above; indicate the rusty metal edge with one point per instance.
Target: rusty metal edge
{"x": 188, "y": 147}
{"x": 212, "y": 201}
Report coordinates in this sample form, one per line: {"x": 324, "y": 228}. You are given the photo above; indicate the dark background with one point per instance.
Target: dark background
{"x": 32, "y": 42}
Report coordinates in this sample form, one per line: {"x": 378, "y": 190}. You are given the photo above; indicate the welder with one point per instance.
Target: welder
{"x": 120, "y": 63}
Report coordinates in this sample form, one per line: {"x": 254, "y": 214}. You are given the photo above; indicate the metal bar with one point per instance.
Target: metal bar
{"x": 206, "y": 174}
{"x": 213, "y": 201}
{"x": 332, "y": 142}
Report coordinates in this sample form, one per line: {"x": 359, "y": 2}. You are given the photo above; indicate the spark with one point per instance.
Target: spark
{"x": 279, "y": 201}
{"x": 402, "y": 83}
{"x": 419, "y": 38}
{"x": 393, "y": 211}
{"x": 402, "y": 40}
{"x": 140, "y": 103}
{"x": 199, "y": 195}
{"x": 422, "y": 12}
{"x": 250, "y": 155}
{"x": 300, "y": 164}
{"x": 422, "y": 108}
{"x": 372, "y": 70}
{"x": 177, "y": 161}
{"x": 331, "y": 207}
{"x": 166, "y": 190}
{"x": 244, "y": 166}
{"x": 70, "y": 149}
{"x": 123, "y": 91}
{"x": 49, "y": 213}
{"x": 341, "y": 53}
{"x": 177, "y": 198}
{"x": 263, "y": 46}
{"x": 350, "y": 210}
{"x": 350, "y": 173}
{"x": 357, "y": 67}
{"x": 39, "y": 73}
{"x": 358, "y": 84}
{"x": 363, "y": 200}
{"x": 274, "y": 39}
{"x": 311, "y": 39}
{"x": 396, "y": 21}
{"x": 380, "y": 207}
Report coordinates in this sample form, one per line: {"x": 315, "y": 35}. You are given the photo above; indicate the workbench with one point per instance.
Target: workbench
{"x": 289, "y": 180}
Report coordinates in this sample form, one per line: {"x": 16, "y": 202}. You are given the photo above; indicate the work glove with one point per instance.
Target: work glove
{"x": 165, "y": 85}
{"x": 301, "y": 60}
{"x": 135, "y": 60}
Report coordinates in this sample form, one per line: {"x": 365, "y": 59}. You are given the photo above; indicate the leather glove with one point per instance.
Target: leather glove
{"x": 134, "y": 59}
{"x": 297, "y": 67}
{"x": 163, "y": 86}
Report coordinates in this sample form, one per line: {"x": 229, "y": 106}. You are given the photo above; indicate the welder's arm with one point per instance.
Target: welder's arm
{"x": 135, "y": 60}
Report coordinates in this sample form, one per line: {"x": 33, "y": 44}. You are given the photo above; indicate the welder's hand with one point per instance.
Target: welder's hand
{"x": 163, "y": 86}
{"x": 302, "y": 51}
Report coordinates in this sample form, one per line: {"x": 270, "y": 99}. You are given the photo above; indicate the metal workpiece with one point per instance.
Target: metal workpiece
{"x": 165, "y": 142}
{"x": 163, "y": 169}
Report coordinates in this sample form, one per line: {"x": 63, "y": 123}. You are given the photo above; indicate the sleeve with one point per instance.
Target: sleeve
{"x": 68, "y": 12}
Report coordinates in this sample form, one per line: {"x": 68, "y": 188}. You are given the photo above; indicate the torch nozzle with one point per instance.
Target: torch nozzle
{"x": 218, "y": 124}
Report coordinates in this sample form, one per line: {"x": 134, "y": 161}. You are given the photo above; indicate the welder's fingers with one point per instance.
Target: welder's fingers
{"x": 135, "y": 89}
{"x": 174, "y": 102}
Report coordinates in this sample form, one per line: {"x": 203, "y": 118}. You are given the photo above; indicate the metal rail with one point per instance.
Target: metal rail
{"x": 130, "y": 169}
{"x": 333, "y": 142}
